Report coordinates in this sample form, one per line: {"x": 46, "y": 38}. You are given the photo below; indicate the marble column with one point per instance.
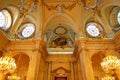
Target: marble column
{"x": 46, "y": 71}
{"x": 49, "y": 71}
{"x": 79, "y": 70}
{"x": 86, "y": 66}
{"x": 75, "y": 70}
{"x": 41, "y": 71}
{"x": 72, "y": 71}
{"x": 33, "y": 69}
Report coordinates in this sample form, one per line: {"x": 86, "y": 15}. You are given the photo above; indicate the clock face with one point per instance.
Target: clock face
{"x": 118, "y": 17}
{"x": 28, "y": 30}
{"x": 92, "y": 29}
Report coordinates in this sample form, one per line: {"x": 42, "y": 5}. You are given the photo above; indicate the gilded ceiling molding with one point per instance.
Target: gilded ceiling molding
{"x": 59, "y": 0}
{"x": 28, "y": 6}
{"x": 93, "y": 6}
{"x": 60, "y": 6}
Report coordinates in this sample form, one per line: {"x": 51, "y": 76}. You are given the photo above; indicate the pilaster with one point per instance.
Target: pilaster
{"x": 87, "y": 71}
{"x": 49, "y": 71}
{"x": 33, "y": 65}
{"x": 72, "y": 72}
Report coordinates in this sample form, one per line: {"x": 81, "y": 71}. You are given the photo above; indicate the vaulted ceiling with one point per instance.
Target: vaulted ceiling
{"x": 61, "y": 22}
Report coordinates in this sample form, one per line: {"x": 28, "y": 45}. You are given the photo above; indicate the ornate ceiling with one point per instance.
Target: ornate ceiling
{"x": 61, "y": 21}
{"x": 58, "y": 0}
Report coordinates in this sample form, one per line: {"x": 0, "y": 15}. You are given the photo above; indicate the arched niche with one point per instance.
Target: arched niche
{"x": 61, "y": 73}
{"x": 106, "y": 8}
{"x": 96, "y": 60}
{"x": 22, "y": 61}
{"x": 106, "y": 13}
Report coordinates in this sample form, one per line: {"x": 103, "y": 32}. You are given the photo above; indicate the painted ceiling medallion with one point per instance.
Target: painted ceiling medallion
{"x": 61, "y": 42}
{"x": 60, "y": 30}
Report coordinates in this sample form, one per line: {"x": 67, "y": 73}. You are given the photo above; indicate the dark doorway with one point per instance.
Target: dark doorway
{"x": 60, "y": 78}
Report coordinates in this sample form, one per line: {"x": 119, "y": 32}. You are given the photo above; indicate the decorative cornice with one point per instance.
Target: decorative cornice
{"x": 32, "y": 45}
{"x": 61, "y": 58}
{"x": 91, "y": 44}
{"x": 59, "y": 1}
{"x": 117, "y": 36}
{"x": 66, "y": 71}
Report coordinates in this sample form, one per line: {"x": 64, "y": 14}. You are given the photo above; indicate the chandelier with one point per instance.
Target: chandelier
{"x": 110, "y": 63}
{"x": 7, "y": 64}
{"x": 14, "y": 76}
{"x": 108, "y": 77}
